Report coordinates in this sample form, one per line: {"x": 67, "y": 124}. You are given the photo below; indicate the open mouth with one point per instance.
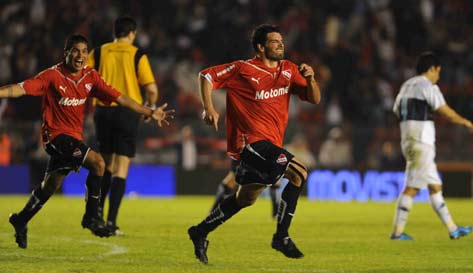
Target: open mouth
{"x": 78, "y": 62}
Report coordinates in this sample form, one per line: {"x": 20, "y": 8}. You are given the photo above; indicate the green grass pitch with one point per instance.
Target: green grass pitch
{"x": 335, "y": 237}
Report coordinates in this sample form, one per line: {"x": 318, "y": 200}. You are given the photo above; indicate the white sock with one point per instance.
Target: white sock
{"x": 438, "y": 204}
{"x": 404, "y": 205}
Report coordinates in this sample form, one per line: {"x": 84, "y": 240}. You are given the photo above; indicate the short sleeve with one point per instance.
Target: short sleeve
{"x": 145, "y": 74}
{"x": 298, "y": 82}
{"x": 298, "y": 79}
{"x": 102, "y": 91}
{"x": 37, "y": 85}
{"x": 219, "y": 75}
{"x": 434, "y": 97}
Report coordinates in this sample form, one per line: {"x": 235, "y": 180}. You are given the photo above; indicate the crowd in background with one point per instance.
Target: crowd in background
{"x": 362, "y": 51}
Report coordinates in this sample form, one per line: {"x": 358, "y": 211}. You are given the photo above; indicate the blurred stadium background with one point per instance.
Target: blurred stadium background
{"x": 362, "y": 51}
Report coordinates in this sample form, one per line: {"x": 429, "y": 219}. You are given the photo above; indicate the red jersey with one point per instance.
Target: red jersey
{"x": 64, "y": 98}
{"x": 257, "y": 99}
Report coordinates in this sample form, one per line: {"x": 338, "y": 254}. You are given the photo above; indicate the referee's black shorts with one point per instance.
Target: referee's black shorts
{"x": 116, "y": 129}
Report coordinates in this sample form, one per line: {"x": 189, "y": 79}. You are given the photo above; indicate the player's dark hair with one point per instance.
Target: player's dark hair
{"x": 425, "y": 61}
{"x": 73, "y": 39}
{"x": 260, "y": 34}
{"x": 123, "y": 26}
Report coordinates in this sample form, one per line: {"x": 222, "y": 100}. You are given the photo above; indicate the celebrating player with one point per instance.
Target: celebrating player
{"x": 258, "y": 93}
{"x": 65, "y": 88}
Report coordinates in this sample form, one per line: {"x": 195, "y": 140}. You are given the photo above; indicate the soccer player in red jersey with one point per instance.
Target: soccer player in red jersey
{"x": 258, "y": 93}
{"x": 65, "y": 88}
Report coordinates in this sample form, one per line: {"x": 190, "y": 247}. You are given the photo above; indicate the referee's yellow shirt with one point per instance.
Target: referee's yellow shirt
{"x": 117, "y": 67}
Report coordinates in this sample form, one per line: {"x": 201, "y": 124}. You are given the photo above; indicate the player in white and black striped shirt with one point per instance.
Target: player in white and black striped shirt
{"x": 415, "y": 104}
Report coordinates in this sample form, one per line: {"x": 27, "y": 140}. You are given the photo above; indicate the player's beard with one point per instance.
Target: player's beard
{"x": 273, "y": 55}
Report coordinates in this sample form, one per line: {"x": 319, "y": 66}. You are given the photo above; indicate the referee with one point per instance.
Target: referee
{"x": 126, "y": 68}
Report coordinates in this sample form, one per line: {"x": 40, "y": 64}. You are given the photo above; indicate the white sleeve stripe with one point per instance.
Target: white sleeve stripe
{"x": 21, "y": 85}
{"x": 208, "y": 77}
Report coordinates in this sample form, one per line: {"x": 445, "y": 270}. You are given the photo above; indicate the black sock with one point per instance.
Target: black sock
{"x": 223, "y": 191}
{"x": 117, "y": 191}
{"x": 287, "y": 208}
{"x": 106, "y": 181}
{"x": 226, "y": 209}
{"x": 34, "y": 204}
{"x": 93, "y": 195}
{"x": 273, "y": 193}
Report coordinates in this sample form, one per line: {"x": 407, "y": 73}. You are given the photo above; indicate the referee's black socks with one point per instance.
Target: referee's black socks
{"x": 117, "y": 191}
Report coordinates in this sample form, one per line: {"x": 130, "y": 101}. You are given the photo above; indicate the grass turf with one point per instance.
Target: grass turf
{"x": 335, "y": 237}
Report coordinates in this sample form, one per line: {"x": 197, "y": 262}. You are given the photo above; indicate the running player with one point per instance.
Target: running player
{"x": 65, "y": 88}
{"x": 258, "y": 93}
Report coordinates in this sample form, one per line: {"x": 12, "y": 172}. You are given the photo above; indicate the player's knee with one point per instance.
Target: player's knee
{"x": 410, "y": 191}
{"x": 245, "y": 201}
{"x": 296, "y": 173}
{"x": 51, "y": 184}
{"x": 98, "y": 166}
{"x": 433, "y": 189}
{"x": 50, "y": 187}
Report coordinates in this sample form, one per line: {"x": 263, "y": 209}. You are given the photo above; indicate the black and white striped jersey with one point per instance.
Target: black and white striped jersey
{"x": 414, "y": 106}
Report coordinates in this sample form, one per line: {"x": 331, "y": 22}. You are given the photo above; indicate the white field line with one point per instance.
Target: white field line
{"x": 114, "y": 249}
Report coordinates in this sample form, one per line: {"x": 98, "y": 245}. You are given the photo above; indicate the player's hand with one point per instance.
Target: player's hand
{"x": 162, "y": 115}
{"x": 210, "y": 116}
{"x": 307, "y": 71}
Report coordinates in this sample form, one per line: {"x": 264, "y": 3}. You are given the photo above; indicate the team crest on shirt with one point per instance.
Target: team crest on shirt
{"x": 282, "y": 159}
{"x": 287, "y": 74}
{"x": 88, "y": 86}
{"x": 77, "y": 153}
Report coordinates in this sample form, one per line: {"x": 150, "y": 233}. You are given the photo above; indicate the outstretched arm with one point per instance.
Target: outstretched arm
{"x": 160, "y": 114}
{"x": 210, "y": 115}
{"x": 454, "y": 117}
{"x": 11, "y": 91}
{"x": 312, "y": 89}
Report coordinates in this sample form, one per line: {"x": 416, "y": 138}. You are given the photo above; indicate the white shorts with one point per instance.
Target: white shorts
{"x": 421, "y": 169}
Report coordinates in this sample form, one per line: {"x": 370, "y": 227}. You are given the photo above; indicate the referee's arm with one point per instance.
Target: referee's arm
{"x": 151, "y": 91}
{"x": 147, "y": 81}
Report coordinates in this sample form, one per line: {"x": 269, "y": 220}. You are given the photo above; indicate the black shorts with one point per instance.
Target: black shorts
{"x": 262, "y": 162}
{"x": 116, "y": 129}
{"x": 235, "y": 163}
{"x": 66, "y": 154}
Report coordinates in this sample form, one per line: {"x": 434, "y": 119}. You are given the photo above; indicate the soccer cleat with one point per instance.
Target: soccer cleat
{"x": 460, "y": 232}
{"x": 114, "y": 229}
{"x": 20, "y": 230}
{"x": 402, "y": 237}
{"x": 200, "y": 244}
{"x": 96, "y": 225}
{"x": 286, "y": 246}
